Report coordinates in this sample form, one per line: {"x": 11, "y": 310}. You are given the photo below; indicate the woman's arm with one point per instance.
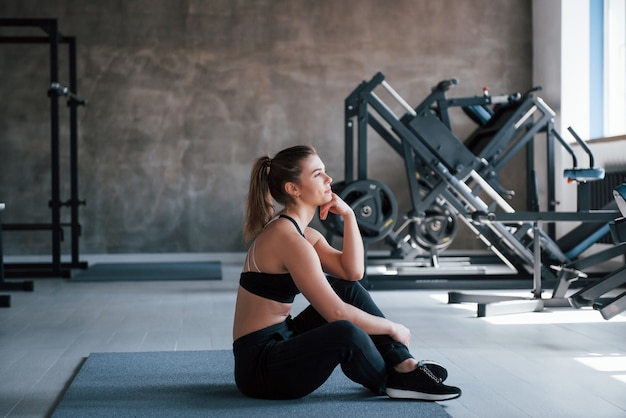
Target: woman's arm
{"x": 303, "y": 264}
{"x": 349, "y": 263}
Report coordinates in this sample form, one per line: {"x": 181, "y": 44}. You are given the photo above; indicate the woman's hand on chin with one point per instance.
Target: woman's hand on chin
{"x": 337, "y": 206}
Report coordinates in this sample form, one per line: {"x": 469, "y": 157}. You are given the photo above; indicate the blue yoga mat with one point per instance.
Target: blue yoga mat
{"x": 107, "y": 272}
{"x": 201, "y": 384}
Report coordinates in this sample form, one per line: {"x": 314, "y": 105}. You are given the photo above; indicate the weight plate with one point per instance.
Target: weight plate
{"x": 436, "y": 231}
{"x": 374, "y": 206}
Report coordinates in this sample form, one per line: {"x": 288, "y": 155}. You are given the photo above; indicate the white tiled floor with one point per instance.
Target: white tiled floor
{"x": 555, "y": 363}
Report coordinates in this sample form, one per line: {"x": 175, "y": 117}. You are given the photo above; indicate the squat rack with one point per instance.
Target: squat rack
{"x": 53, "y": 38}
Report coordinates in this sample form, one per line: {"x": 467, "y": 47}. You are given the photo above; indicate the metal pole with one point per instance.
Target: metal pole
{"x": 74, "y": 202}
{"x": 348, "y": 144}
{"x": 54, "y": 149}
{"x": 362, "y": 140}
{"x": 537, "y": 261}
{"x": 2, "y": 205}
{"x": 399, "y": 98}
{"x": 551, "y": 155}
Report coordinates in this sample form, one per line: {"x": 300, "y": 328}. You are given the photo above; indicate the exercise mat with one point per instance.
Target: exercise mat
{"x": 201, "y": 384}
{"x": 205, "y": 270}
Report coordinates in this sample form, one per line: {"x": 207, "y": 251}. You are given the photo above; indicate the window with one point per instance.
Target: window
{"x": 614, "y": 74}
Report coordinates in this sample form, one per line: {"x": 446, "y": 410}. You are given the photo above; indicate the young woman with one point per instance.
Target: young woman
{"x": 282, "y": 357}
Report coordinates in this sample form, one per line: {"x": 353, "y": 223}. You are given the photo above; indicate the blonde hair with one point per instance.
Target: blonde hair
{"x": 267, "y": 183}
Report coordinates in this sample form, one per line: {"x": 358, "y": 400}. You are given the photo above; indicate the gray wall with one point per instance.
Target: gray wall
{"x": 184, "y": 95}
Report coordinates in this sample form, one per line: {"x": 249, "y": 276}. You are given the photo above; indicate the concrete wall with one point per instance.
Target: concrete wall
{"x": 184, "y": 95}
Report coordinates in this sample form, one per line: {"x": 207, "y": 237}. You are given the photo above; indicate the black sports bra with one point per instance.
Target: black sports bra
{"x": 279, "y": 287}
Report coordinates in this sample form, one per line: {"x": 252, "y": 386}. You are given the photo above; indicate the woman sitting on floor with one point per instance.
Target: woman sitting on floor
{"x": 282, "y": 357}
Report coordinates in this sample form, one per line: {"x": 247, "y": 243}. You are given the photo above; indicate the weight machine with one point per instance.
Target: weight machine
{"x": 597, "y": 294}
{"x": 53, "y": 38}
{"x": 452, "y": 181}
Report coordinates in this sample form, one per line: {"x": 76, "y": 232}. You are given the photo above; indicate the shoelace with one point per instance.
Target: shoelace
{"x": 430, "y": 374}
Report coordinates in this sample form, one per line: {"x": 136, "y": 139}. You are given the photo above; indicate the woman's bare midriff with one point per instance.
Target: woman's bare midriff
{"x": 254, "y": 313}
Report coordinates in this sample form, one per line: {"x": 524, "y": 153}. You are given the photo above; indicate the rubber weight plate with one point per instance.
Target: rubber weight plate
{"x": 374, "y": 206}
{"x": 437, "y": 230}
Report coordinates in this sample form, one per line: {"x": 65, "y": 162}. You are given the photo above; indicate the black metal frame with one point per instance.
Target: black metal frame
{"x": 5, "y": 300}
{"x": 53, "y": 38}
{"x": 423, "y": 138}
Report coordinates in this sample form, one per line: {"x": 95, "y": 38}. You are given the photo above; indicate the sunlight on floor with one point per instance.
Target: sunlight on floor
{"x": 620, "y": 377}
{"x": 614, "y": 363}
{"x": 553, "y": 316}
{"x": 443, "y": 299}
{"x": 546, "y": 316}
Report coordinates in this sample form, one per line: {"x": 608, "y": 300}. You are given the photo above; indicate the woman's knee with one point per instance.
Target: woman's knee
{"x": 348, "y": 290}
{"x": 355, "y": 294}
{"x": 347, "y": 331}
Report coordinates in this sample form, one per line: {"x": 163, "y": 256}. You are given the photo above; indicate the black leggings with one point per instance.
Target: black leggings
{"x": 293, "y": 358}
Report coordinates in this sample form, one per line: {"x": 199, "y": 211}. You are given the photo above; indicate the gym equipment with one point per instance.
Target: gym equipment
{"x": 452, "y": 181}
{"x": 53, "y": 38}
{"x": 437, "y": 229}
{"x": 374, "y": 205}
{"x": 596, "y": 294}
{"x": 5, "y": 300}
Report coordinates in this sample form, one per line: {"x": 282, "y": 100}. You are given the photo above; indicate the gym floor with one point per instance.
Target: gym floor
{"x": 557, "y": 363}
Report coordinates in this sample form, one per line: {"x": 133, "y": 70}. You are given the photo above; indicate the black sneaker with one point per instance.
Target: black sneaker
{"x": 421, "y": 384}
{"x": 437, "y": 369}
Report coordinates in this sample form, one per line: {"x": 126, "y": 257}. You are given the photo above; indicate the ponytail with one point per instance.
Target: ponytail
{"x": 267, "y": 183}
{"x": 259, "y": 205}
